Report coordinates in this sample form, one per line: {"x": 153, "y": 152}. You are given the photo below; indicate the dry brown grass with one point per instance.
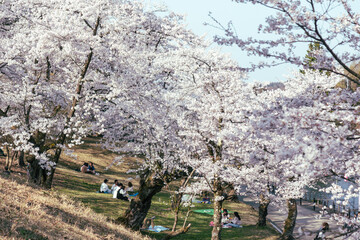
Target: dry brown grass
{"x": 29, "y": 213}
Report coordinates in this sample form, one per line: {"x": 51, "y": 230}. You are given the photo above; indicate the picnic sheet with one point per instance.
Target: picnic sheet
{"x": 206, "y": 211}
{"x": 157, "y": 228}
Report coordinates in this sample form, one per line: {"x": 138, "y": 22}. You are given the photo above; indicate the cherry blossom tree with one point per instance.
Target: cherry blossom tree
{"x": 209, "y": 89}
{"x": 59, "y": 58}
{"x": 299, "y": 134}
{"x": 136, "y": 114}
{"x": 334, "y": 25}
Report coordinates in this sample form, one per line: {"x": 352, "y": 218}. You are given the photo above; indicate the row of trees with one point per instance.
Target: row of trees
{"x": 153, "y": 88}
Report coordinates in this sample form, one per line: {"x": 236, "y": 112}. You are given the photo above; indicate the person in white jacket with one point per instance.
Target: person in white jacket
{"x": 104, "y": 188}
{"x": 114, "y": 186}
{"x": 116, "y": 190}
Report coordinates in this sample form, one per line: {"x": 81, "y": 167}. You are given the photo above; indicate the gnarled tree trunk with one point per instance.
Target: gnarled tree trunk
{"x": 290, "y": 221}
{"x": 263, "y": 211}
{"x": 140, "y": 205}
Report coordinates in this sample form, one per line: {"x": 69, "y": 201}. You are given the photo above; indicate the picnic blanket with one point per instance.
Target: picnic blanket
{"x": 206, "y": 211}
{"x": 157, "y": 228}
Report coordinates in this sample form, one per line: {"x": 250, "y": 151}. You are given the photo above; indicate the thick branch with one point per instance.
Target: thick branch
{"x": 178, "y": 232}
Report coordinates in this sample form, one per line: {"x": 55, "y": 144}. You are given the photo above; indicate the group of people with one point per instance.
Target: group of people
{"x": 88, "y": 168}
{"x": 227, "y": 221}
{"x": 118, "y": 190}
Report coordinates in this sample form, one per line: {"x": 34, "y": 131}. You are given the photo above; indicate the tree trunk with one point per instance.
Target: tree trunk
{"x": 176, "y": 200}
{"x": 140, "y": 205}
{"x": 263, "y": 211}
{"x": 21, "y": 158}
{"x": 218, "y": 201}
{"x": 39, "y": 175}
{"x": 176, "y": 218}
{"x": 36, "y": 173}
{"x": 290, "y": 221}
{"x": 55, "y": 159}
{"x": 8, "y": 157}
{"x": 175, "y": 206}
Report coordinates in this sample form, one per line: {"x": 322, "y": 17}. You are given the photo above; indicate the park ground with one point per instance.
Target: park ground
{"x": 79, "y": 191}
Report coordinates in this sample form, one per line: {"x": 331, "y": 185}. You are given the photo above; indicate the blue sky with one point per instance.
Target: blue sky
{"x": 245, "y": 17}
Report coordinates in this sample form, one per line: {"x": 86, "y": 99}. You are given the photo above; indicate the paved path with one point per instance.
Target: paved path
{"x": 305, "y": 218}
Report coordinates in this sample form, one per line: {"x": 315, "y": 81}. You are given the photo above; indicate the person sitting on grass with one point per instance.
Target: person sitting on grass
{"x": 130, "y": 187}
{"x": 84, "y": 168}
{"x": 225, "y": 218}
{"x": 148, "y": 222}
{"x": 122, "y": 194}
{"x": 91, "y": 168}
{"x": 114, "y": 186}
{"x": 236, "y": 221}
{"x": 104, "y": 188}
{"x": 116, "y": 189}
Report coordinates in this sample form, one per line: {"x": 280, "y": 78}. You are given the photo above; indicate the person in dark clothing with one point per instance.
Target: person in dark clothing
{"x": 321, "y": 234}
{"x": 122, "y": 193}
{"x": 91, "y": 168}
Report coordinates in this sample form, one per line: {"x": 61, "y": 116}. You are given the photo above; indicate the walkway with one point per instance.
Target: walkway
{"x": 305, "y": 219}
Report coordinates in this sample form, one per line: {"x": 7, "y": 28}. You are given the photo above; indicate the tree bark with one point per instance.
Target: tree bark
{"x": 140, "y": 205}
{"x": 290, "y": 221}
{"x": 7, "y": 159}
{"x": 176, "y": 218}
{"x": 178, "y": 232}
{"x": 263, "y": 211}
{"x": 21, "y": 159}
{"x": 218, "y": 194}
{"x": 37, "y": 174}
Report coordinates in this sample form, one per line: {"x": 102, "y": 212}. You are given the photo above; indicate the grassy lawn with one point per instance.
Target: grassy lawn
{"x": 83, "y": 187}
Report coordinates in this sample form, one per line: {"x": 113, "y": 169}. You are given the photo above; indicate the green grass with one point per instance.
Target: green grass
{"x": 83, "y": 187}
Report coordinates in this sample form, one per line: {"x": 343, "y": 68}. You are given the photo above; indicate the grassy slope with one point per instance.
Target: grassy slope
{"x": 30, "y": 213}
{"x": 83, "y": 186}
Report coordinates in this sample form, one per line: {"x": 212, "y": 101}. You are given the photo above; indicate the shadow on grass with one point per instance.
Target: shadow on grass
{"x": 28, "y": 234}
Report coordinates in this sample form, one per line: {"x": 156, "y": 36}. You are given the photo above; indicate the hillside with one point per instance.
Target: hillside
{"x": 30, "y": 213}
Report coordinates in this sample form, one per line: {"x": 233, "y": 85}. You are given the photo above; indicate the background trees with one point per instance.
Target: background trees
{"x": 334, "y": 25}
{"x": 60, "y": 60}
